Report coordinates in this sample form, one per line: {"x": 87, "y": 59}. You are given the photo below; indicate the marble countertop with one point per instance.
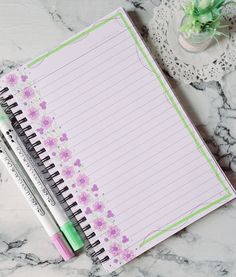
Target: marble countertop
{"x": 206, "y": 248}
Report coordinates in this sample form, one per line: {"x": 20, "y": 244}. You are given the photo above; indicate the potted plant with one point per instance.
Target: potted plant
{"x": 201, "y": 23}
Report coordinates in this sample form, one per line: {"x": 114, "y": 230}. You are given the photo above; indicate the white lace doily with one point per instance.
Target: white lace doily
{"x": 211, "y": 64}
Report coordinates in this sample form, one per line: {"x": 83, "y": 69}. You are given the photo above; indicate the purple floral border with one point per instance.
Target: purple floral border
{"x": 85, "y": 193}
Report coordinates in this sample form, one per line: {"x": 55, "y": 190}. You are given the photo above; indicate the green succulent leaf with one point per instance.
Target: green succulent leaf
{"x": 203, "y": 16}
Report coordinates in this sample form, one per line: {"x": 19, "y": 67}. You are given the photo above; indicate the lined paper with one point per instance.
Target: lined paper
{"x": 120, "y": 123}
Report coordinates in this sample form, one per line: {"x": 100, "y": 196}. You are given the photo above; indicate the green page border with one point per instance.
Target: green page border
{"x": 152, "y": 67}
{"x": 73, "y": 39}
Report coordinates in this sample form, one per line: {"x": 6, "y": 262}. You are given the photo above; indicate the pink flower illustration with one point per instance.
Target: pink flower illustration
{"x": 77, "y": 163}
{"x": 82, "y": 180}
{"x": 50, "y": 142}
{"x": 68, "y": 172}
{"x": 23, "y": 78}
{"x": 28, "y": 93}
{"x": 113, "y": 232}
{"x": 43, "y": 105}
{"x": 65, "y": 154}
{"x": 46, "y": 122}
{"x": 83, "y": 198}
{"x": 40, "y": 130}
{"x": 115, "y": 249}
{"x": 98, "y": 206}
{"x": 12, "y": 79}
{"x": 110, "y": 214}
{"x": 125, "y": 239}
{"x": 33, "y": 113}
{"x": 99, "y": 224}
{"x": 127, "y": 255}
{"x": 94, "y": 188}
{"x": 88, "y": 210}
{"x": 63, "y": 137}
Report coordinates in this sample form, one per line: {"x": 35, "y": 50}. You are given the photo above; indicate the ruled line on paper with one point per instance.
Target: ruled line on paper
{"x": 85, "y": 92}
{"x": 154, "y": 196}
{"x": 159, "y": 172}
{"x": 81, "y": 122}
{"x": 171, "y": 173}
{"x": 157, "y": 200}
{"x": 69, "y": 63}
{"x": 93, "y": 154}
{"x": 112, "y": 94}
{"x": 181, "y": 215}
{"x": 182, "y": 204}
{"x": 131, "y": 149}
{"x": 91, "y": 78}
{"x": 123, "y": 116}
{"x": 127, "y": 161}
{"x": 86, "y": 64}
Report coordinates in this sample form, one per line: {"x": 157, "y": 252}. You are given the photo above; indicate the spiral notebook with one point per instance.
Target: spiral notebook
{"x": 121, "y": 143}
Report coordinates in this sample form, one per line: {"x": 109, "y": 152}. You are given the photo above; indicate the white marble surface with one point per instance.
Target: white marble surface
{"x": 206, "y": 248}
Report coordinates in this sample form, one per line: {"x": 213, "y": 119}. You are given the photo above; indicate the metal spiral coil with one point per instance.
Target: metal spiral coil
{"x": 56, "y": 183}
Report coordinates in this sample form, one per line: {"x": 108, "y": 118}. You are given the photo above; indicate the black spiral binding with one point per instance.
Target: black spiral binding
{"x": 29, "y": 138}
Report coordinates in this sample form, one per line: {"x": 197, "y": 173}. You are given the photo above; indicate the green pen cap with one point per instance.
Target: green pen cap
{"x": 72, "y": 236}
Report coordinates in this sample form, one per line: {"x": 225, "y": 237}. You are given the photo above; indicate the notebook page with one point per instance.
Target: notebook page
{"x": 119, "y": 138}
